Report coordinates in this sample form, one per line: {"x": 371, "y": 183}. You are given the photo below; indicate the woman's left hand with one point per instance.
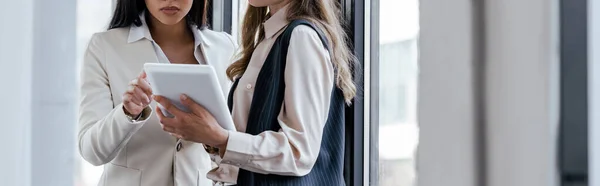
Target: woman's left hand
{"x": 198, "y": 126}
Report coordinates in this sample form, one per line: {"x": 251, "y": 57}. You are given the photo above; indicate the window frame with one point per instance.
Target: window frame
{"x": 358, "y": 17}
{"x": 373, "y": 55}
{"x": 219, "y": 17}
{"x": 573, "y": 137}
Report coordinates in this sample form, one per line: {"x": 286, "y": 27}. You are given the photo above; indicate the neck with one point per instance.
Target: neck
{"x": 274, "y": 8}
{"x": 174, "y": 34}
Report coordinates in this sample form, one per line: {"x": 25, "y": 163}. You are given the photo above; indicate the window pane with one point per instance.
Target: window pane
{"x": 398, "y": 130}
{"x": 242, "y": 9}
{"x": 92, "y": 16}
{"x": 236, "y": 24}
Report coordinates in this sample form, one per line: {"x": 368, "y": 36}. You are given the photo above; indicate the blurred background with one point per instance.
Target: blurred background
{"x": 455, "y": 93}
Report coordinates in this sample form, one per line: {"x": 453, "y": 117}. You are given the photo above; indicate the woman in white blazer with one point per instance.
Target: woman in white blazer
{"x": 117, "y": 126}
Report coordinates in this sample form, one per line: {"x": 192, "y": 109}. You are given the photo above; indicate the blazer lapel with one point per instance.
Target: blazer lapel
{"x": 142, "y": 51}
{"x": 207, "y": 51}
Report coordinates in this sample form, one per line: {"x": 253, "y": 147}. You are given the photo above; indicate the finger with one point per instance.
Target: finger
{"x": 145, "y": 86}
{"x": 141, "y": 95}
{"x": 167, "y": 128}
{"x": 133, "y": 98}
{"x": 133, "y": 82}
{"x": 142, "y": 75}
{"x": 141, "y": 84}
{"x": 170, "y": 107}
{"x": 192, "y": 105}
{"x": 130, "y": 99}
{"x": 164, "y": 120}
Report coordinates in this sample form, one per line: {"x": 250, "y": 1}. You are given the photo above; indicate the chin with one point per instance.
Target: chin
{"x": 257, "y": 3}
{"x": 170, "y": 20}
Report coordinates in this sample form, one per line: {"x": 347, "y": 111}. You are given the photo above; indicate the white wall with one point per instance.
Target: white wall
{"x": 447, "y": 151}
{"x": 53, "y": 93}
{"x": 522, "y": 88}
{"x": 517, "y": 42}
{"x": 16, "y": 51}
{"x": 37, "y": 75}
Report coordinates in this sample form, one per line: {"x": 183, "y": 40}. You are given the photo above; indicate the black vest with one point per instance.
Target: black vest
{"x": 265, "y": 107}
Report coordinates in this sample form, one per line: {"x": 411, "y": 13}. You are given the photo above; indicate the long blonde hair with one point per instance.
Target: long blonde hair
{"x": 324, "y": 14}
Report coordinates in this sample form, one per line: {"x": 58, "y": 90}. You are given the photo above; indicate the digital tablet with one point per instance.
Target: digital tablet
{"x": 199, "y": 82}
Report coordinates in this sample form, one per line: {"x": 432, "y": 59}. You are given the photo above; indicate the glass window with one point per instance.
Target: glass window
{"x": 92, "y": 16}
{"x": 242, "y": 6}
{"x": 398, "y": 69}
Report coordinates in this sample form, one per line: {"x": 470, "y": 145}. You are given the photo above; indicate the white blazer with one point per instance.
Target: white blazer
{"x": 138, "y": 153}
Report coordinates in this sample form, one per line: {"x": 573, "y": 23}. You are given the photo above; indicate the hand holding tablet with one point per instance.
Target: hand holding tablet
{"x": 198, "y": 82}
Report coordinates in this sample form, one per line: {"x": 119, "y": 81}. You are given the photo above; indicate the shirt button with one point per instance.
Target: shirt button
{"x": 179, "y": 146}
{"x": 249, "y": 86}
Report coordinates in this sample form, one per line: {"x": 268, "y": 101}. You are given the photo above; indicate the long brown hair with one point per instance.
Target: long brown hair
{"x": 325, "y": 14}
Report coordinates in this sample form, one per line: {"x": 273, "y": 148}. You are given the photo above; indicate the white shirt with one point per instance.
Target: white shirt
{"x": 309, "y": 79}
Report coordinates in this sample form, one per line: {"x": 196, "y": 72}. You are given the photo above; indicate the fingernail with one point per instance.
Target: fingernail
{"x": 147, "y": 100}
{"x": 184, "y": 97}
{"x": 154, "y": 97}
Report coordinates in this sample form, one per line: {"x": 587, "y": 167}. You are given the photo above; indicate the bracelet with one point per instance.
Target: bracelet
{"x": 211, "y": 150}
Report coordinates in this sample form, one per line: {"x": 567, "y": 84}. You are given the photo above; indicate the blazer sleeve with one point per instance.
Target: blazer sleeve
{"x": 104, "y": 129}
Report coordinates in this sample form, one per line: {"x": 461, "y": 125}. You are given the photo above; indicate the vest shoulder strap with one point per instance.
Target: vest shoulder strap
{"x": 284, "y": 38}
{"x": 287, "y": 33}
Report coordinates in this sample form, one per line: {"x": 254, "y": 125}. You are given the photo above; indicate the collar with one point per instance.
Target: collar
{"x": 137, "y": 33}
{"x": 276, "y": 22}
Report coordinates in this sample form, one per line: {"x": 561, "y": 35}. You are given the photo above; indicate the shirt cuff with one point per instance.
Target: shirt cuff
{"x": 144, "y": 116}
{"x": 224, "y": 174}
{"x": 215, "y": 158}
{"x": 239, "y": 147}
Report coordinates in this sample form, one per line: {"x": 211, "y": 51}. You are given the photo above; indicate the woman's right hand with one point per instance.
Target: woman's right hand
{"x": 138, "y": 96}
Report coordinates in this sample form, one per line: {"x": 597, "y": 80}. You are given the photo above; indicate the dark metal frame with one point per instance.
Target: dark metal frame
{"x": 227, "y": 24}
{"x": 573, "y": 140}
{"x": 354, "y": 15}
{"x": 224, "y": 15}
{"x": 374, "y": 94}
{"x": 479, "y": 92}
{"x": 210, "y": 15}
